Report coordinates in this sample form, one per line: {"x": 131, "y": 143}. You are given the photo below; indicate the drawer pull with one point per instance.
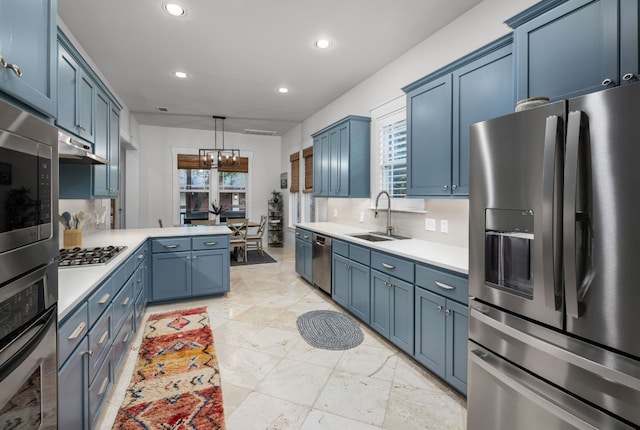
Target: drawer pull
{"x": 211, "y": 243}
{"x": 297, "y": 234}
{"x": 104, "y": 337}
{"x": 444, "y": 286}
{"x": 126, "y": 301}
{"x": 88, "y": 352}
{"x": 77, "y": 331}
{"x": 103, "y": 387}
{"x": 140, "y": 257}
{"x": 104, "y": 299}
{"x": 388, "y": 266}
{"x": 170, "y": 246}
{"x": 126, "y": 338}
{"x": 139, "y": 280}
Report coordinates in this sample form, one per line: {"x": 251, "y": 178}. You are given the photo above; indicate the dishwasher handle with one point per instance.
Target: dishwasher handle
{"x": 321, "y": 240}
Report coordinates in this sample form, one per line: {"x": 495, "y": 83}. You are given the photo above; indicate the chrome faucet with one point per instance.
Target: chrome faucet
{"x": 389, "y": 228}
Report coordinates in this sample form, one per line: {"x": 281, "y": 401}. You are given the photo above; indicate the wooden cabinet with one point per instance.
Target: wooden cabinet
{"x": 392, "y": 307}
{"x": 441, "y": 320}
{"x": 341, "y": 159}
{"x": 92, "y": 341}
{"x": 186, "y": 267}
{"x": 440, "y": 108}
{"x": 304, "y": 254}
{"x": 28, "y": 46}
{"x": 568, "y": 51}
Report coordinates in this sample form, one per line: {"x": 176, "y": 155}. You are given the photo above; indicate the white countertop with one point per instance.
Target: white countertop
{"x": 449, "y": 257}
{"x": 76, "y": 283}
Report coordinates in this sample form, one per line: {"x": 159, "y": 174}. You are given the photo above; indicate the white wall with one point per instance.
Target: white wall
{"x": 478, "y": 27}
{"x": 156, "y": 166}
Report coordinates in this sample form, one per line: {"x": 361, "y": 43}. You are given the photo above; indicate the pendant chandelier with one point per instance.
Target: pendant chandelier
{"x": 216, "y": 157}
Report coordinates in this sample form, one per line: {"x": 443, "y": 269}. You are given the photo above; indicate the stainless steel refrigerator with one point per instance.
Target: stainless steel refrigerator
{"x": 554, "y": 266}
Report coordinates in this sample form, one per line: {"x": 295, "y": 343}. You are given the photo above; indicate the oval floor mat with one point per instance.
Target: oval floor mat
{"x": 329, "y": 330}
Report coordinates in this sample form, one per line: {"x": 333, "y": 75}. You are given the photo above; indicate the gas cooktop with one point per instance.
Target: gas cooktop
{"x": 77, "y": 257}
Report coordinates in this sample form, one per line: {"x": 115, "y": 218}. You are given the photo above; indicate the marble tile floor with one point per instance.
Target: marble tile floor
{"x": 273, "y": 380}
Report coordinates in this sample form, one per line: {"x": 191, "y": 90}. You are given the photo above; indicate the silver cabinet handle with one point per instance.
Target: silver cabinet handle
{"x": 388, "y": 266}
{"x": 629, "y": 77}
{"x": 140, "y": 257}
{"x": 139, "y": 280}
{"x": 297, "y": 234}
{"x": 103, "y": 337}
{"x": 104, "y": 299}
{"x": 84, "y": 129}
{"x": 444, "y": 286}
{"x": 103, "y": 387}
{"x": 16, "y": 70}
{"x": 439, "y": 308}
{"x": 454, "y": 187}
{"x": 88, "y": 352}
{"x": 126, "y": 301}
{"x": 3, "y": 62}
{"x": 126, "y": 338}
{"x": 170, "y": 246}
{"x": 447, "y": 312}
{"x": 445, "y": 187}
{"x": 306, "y": 237}
{"x": 211, "y": 243}
{"x": 606, "y": 82}
{"x": 77, "y": 331}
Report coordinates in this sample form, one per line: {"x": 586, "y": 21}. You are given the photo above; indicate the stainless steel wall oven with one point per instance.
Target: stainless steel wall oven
{"x": 28, "y": 271}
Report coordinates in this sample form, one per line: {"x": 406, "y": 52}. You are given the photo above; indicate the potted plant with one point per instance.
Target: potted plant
{"x": 217, "y": 210}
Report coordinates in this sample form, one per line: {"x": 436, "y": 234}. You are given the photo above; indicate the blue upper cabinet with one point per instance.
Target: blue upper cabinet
{"x": 570, "y": 50}
{"x": 341, "y": 159}
{"x": 77, "y": 97}
{"x": 28, "y": 47}
{"x": 629, "y": 41}
{"x": 440, "y": 108}
{"x": 429, "y": 135}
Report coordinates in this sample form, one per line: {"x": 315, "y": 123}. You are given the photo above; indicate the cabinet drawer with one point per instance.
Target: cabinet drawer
{"x": 100, "y": 340}
{"x": 138, "y": 279}
{"x": 170, "y": 244}
{"x": 122, "y": 303}
{"x": 304, "y": 235}
{"x": 341, "y": 248}
{"x": 121, "y": 341}
{"x": 129, "y": 267}
{"x": 100, "y": 300}
{"x": 71, "y": 332}
{"x": 140, "y": 254}
{"x": 360, "y": 254}
{"x": 100, "y": 388}
{"x": 393, "y": 266}
{"x": 445, "y": 284}
{"x": 209, "y": 242}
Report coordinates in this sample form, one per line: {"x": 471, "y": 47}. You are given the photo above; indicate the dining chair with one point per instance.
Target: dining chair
{"x": 238, "y": 238}
{"x": 255, "y": 240}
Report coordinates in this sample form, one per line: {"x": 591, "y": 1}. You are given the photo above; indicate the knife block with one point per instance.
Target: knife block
{"x": 72, "y": 238}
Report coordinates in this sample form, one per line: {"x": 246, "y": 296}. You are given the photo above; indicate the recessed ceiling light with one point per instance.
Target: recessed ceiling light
{"x": 181, "y": 75}
{"x": 323, "y": 43}
{"x": 283, "y": 90}
{"x": 174, "y": 9}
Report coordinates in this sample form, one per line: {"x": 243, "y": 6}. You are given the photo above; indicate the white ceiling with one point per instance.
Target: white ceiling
{"x": 238, "y": 52}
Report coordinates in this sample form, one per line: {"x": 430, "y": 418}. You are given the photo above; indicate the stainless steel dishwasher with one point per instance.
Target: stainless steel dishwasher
{"x": 321, "y": 269}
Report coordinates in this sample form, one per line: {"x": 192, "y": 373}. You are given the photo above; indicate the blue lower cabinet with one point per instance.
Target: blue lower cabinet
{"x": 209, "y": 272}
{"x": 441, "y": 337}
{"x": 392, "y": 309}
{"x": 350, "y": 286}
{"x": 73, "y": 395}
{"x": 304, "y": 254}
{"x": 99, "y": 389}
{"x": 171, "y": 275}
{"x": 201, "y": 266}
{"x": 100, "y": 339}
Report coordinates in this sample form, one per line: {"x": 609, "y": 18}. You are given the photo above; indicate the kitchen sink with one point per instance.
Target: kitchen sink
{"x": 377, "y": 237}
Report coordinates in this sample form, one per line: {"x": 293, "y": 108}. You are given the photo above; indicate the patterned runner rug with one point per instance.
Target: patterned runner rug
{"x": 176, "y": 381}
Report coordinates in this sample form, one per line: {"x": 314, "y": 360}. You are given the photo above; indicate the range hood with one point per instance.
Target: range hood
{"x": 72, "y": 151}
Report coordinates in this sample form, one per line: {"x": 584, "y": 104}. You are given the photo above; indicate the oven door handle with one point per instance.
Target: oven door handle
{"x": 26, "y": 341}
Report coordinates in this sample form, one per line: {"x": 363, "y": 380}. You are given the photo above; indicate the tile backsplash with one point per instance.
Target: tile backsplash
{"x": 455, "y": 212}
{"x": 99, "y": 210}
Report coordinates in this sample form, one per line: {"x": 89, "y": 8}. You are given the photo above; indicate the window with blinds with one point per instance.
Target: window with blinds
{"x": 393, "y": 158}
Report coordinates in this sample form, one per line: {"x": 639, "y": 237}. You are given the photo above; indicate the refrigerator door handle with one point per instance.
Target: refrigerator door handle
{"x": 575, "y": 124}
{"x": 551, "y": 167}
